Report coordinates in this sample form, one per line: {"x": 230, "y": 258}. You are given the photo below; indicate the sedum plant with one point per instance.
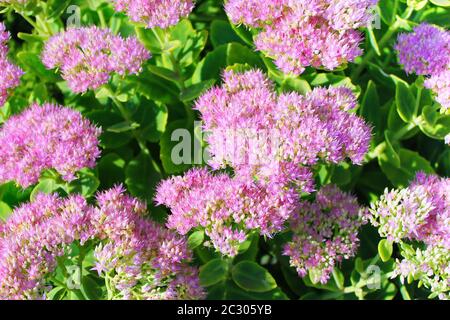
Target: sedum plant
{"x": 232, "y": 149}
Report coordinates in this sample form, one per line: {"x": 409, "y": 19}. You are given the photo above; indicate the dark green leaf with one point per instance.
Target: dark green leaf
{"x": 252, "y": 277}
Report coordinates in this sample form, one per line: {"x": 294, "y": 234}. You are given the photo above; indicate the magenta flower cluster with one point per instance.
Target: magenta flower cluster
{"x": 88, "y": 56}
{"x": 228, "y": 209}
{"x": 9, "y": 73}
{"x": 269, "y": 136}
{"x": 298, "y": 34}
{"x": 155, "y": 13}
{"x": 419, "y": 213}
{"x": 426, "y": 51}
{"x": 324, "y": 233}
{"x": 46, "y": 137}
{"x": 136, "y": 257}
{"x": 270, "y": 141}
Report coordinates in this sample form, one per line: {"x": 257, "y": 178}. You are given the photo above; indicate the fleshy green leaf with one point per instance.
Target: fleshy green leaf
{"x": 252, "y": 277}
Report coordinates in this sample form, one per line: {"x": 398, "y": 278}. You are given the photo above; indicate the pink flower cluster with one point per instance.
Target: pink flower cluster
{"x": 261, "y": 134}
{"x": 426, "y": 51}
{"x": 138, "y": 258}
{"x": 324, "y": 232}
{"x": 46, "y": 137}
{"x": 9, "y": 73}
{"x": 298, "y": 34}
{"x": 419, "y": 213}
{"x": 228, "y": 209}
{"x": 88, "y": 56}
{"x": 270, "y": 142}
{"x": 155, "y": 13}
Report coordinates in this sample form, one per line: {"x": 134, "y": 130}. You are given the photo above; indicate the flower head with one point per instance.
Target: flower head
{"x": 228, "y": 209}
{"x": 46, "y": 137}
{"x": 440, "y": 85}
{"x": 425, "y": 51}
{"x": 9, "y": 73}
{"x": 419, "y": 213}
{"x": 324, "y": 232}
{"x": 88, "y": 56}
{"x": 298, "y": 34}
{"x": 155, "y": 13}
{"x": 142, "y": 259}
{"x": 267, "y": 136}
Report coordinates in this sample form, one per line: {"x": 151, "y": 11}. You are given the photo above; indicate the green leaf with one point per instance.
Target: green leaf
{"x": 56, "y": 293}
{"x": 373, "y": 41}
{"x": 196, "y": 239}
{"x": 385, "y": 250}
{"x": 370, "y": 106}
{"x": 252, "y": 277}
{"x": 193, "y": 92}
{"x": 149, "y": 40}
{"x": 5, "y": 211}
{"x": 32, "y": 63}
{"x": 86, "y": 183}
{"x": 249, "y": 251}
{"x": 164, "y": 73}
{"x": 295, "y": 84}
{"x": 406, "y": 102}
{"x": 111, "y": 170}
{"x": 211, "y": 65}
{"x": 31, "y": 37}
{"x": 221, "y": 57}
{"x": 244, "y": 34}
{"x": 213, "y": 272}
{"x": 142, "y": 176}
{"x": 237, "y": 53}
{"x": 435, "y": 126}
{"x": 57, "y": 8}
{"x": 234, "y": 292}
{"x": 45, "y": 186}
{"x": 388, "y": 10}
{"x": 176, "y": 152}
{"x": 154, "y": 87}
{"x": 338, "y": 278}
{"x": 107, "y": 119}
{"x": 223, "y": 33}
{"x": 410, "y": 163}
{"x": 152, "y": 118}
{"x": 442, "y": 3}
{"x": 192, "y": 42}
{"x": 90, "y": 289}
{"x": 330, "y": 79}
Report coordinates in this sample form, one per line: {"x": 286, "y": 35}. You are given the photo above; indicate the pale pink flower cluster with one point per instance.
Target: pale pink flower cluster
{"x": 324, "y": 233}
{"x": 88, "y": 56}
{"x": 418, "y": 218}
{"x": 298, "y": 34}
{"x": 155, "y": 13}
{"x": 136, "y": 257}
{"x": 269, "y": 136}
{"x": 242, "y": 117}
{"x": 426, "y": 51}
{"x": 46, "y": 137}
{"x": 229, "y": 209}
